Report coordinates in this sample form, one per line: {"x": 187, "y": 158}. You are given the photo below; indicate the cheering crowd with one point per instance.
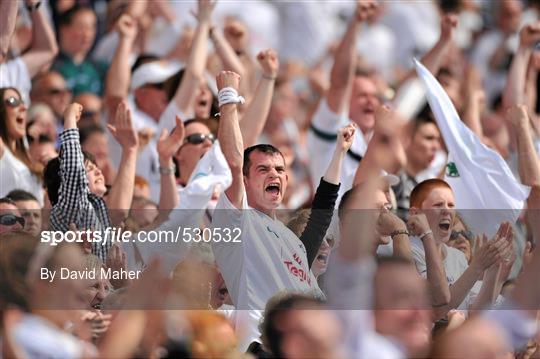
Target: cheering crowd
{"x": 341, "y": 179}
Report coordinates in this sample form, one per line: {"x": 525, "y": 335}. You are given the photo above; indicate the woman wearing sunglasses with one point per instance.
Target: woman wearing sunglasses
{"x": 462, "y": 238}
{"x": 17, "y": 170}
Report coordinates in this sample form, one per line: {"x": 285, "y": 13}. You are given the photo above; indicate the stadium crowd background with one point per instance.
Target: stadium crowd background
{"x": 305, "y": 126}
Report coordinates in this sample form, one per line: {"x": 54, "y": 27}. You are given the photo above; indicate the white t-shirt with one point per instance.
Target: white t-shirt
{"x": 14, "y": 73}
{"x": 40, "y": 339}
{"x": 455, "y": 263}
{"x": 269, "y": 259}
{"x": 15, "y": 175}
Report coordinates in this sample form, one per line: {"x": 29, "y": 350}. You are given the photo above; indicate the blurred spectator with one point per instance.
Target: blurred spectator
{"x": 17, "y": 170}
{"x": 30, "y": 210}
{"x": 51, "y": 89}
{"x": 18, "y": 71}
{"x": 10, "y": 216}
{"x": 77, "y": 32}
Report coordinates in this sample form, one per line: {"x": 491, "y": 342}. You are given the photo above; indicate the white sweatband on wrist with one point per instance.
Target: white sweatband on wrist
{"x": 229, "y": 95}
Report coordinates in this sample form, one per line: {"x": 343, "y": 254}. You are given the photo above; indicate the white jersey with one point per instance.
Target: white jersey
{"x": 269, "y": 259}
{"x": 15, "y": 175}
{"x": 14, "y": 73}
{"x": 455, "y": 263}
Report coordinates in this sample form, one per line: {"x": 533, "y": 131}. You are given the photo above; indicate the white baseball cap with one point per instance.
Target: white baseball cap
{"x": 154, "y": 72}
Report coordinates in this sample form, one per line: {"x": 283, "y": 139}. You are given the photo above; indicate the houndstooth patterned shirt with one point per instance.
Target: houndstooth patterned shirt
{"x": 76, "y": 204}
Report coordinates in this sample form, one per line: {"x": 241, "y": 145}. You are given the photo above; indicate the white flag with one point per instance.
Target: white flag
{"x": 479, "y": 176}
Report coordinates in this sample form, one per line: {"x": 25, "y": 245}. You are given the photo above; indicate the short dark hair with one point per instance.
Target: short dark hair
{"x": 424, "y": 117}
{"x": 276, "y": 307}
{"x": 52, "y": 179}
{"x": 21, "y": 195}
{"x": 7, "y": 200}
{"x": 86, "y": 131}
{"x": 66, "y": 18}
{"x": 263, "y": 148}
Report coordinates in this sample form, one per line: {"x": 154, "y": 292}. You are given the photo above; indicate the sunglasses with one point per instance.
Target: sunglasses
{"x": 41, "y": 139}
{"x": 198, "y": 138}
{"x": 57, "y": 91}
{"x": 13, "y": 101}
{"x": 11, "y": 220}
{"x": 467, "y": 234}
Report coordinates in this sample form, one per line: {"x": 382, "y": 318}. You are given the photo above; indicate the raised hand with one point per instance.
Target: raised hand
{"x": 169, "y": 144}
{"x": 365, "y": 9}
{"x": 517, "y": 114}
{"x": 268, "y": 59}
{"x": 388, "y": 223}
{"x": 487, "y": 253}
{"x": 529, "y": 34}
{"x": 72, "y": 115}
{"x": 418, "y": 224}
{"x": 204, "y": 10}
{"x": 127, "y": 27}
{"x": 228, "y": 79}
{"x": 117, "y": 260}
{"x": 345, "y": 138}
{"x": 449, "y": 23}
{"x": 123, "y": 131}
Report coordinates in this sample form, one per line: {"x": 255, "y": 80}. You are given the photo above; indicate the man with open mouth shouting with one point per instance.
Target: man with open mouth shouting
{"x": 270, "y": 257}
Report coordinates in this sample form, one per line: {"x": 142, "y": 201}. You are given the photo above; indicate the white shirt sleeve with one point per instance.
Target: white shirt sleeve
{"x": 321, "y": 139}
{"x": 14, "y": 73}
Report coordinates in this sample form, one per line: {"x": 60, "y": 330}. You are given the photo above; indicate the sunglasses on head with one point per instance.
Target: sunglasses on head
{"x": 198, "y": 138}
{"x": 13, "y": 101}
{"x": 467, "y": 234}
{"x": 10, "y": 220}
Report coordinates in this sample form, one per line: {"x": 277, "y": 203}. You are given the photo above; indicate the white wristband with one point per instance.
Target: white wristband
{"x": 229, "y": 95}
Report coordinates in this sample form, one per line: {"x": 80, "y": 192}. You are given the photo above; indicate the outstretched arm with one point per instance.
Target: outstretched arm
{"x": 228, "y": 57}
{"x": 121, "y": 193}
{"x": 167, "y": 146}
{"x": 256, "y": 114}
{"x": 73, "y": 191}
{"x": 8, "y": 18}
{"x": 196, "y": 64}
{"x": 342, "y": 74}
{"x": 119, "y": 74}
{"x": 230, "y": 139}
{"x": 324, "y": 202}
{"x": 44, "y": 47}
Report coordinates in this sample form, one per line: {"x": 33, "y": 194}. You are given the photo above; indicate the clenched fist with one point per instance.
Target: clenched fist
{"x": 529, "y": 34}
{"x": 345, "y": 137}
{"x": 418, "y": 224}
{"x": 449, "y": 23}
{"x": 127, "y": 27}
{"x": 268, "y": 59}
{"x": 228, "y": 79}
{"x": 72, "y": 115}
{"x": 365, "y": 9}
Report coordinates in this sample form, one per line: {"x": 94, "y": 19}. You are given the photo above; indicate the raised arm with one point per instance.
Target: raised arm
{"x": 119, "y": 74}
{"x": 514, "y": 91}
{"x": 230, "y": 138}
{"x": 228, "y": 57}
{"x": 168, "y": 145}
{"x": 342, "y": 74}
{"x": 44, "y": 47}
{"x": 121, "y": 193}
{"x": 436, "y": 274}
{"x": 196, "y": 65}
{"x": 73, "y": 190}
{"x": 324, "y": 202}
{"x": 256, "y": 114}
{"x": 8, "y": 18}
{"x": 385, "y": 150}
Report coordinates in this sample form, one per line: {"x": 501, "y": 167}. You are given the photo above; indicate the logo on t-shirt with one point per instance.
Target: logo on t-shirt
{"x": 452, "y": 170}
